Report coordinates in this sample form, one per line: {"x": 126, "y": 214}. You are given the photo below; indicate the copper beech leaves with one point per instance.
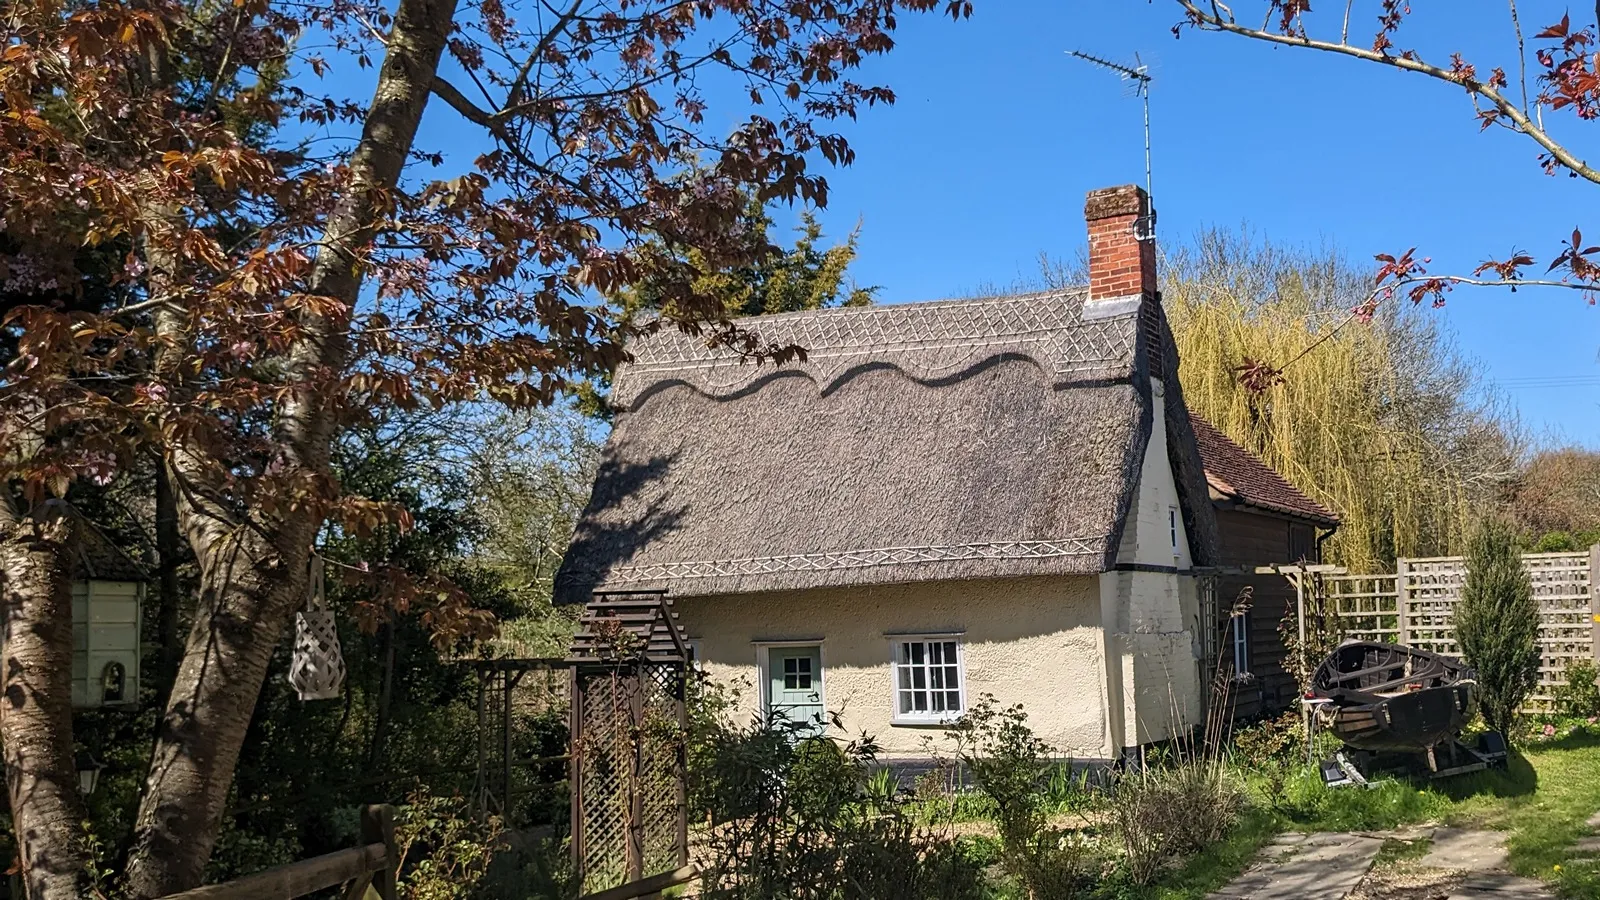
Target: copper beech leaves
{"x": 161, "y": 220}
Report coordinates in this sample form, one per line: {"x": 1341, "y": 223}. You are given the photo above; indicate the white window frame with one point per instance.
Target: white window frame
{"x": 1239, "y": 639}
{"x": 930, "y": 717}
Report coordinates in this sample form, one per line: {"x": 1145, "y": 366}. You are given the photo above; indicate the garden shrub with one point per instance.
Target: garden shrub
{"x": 1016, "y": 771}
{"x": 1165, "y": 813}
{"x": 795, "y": 817}
{"x": 445, "y": 850}
{"x": 1579, "y": 696}
{"x": 1281, "y": 738}
{"x": 1497, "y": 624}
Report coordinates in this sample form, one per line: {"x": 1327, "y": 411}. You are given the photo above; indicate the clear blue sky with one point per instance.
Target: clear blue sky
{"x": 984, "y": 162}
{"x": 997, "y": 135}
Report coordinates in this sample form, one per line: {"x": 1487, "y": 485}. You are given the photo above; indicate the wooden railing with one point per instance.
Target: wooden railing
{"x": 646, "y": 888}
{"x": 372, "y": 863}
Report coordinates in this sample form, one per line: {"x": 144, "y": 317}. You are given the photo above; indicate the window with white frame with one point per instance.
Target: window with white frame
{"x": 1241, "y": 644}
{"x": 929, "y": 681}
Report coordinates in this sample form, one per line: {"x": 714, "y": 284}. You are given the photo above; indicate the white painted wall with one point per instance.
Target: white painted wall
{"x": 1034, "y": 641}
{"x": 1150, "y": 643}
{"x": 1148, "y": 537}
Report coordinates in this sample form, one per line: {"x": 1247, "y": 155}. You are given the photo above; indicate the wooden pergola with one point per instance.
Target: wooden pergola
{"x": 1299, "y": 574}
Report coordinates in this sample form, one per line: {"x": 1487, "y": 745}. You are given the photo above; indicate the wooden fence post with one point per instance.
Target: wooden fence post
{"x": 1402, "y": 601}
{"x": 377, "y": 827}
{"x": 1594, "y": 603}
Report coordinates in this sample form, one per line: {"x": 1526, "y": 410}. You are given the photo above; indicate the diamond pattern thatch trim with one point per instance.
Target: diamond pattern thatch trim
{"x": 855, "y": 559}
{"x": 928, "y": 341}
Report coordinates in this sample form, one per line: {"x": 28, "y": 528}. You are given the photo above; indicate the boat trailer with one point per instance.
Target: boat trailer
{"x": 1350, "y": 766}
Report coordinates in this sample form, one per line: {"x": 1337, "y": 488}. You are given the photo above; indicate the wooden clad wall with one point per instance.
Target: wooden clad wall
{"x": 1249, "y": 539}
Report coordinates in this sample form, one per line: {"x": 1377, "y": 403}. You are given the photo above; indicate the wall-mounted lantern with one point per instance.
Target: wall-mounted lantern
{"x": 88, "y": 771}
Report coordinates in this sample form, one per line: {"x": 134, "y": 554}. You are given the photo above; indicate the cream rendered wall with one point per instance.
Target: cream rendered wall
{"x": 1034, "y": 641}
{"x": 1151, "y": 642}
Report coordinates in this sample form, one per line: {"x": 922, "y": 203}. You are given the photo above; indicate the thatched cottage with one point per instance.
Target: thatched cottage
{"x": 1002, "y": 495}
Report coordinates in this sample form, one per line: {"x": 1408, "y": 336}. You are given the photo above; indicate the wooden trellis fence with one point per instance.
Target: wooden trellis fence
{"x": 1416, "y": 606}
{"x": 629, "y": 668}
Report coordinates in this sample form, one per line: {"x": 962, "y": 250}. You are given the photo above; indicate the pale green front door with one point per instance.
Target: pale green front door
{"x": 794, "y": 685}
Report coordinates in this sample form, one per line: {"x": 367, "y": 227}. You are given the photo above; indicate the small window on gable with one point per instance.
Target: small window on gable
{"x": 1302, "y": 543}
{"x": 929, "y": 679}
{"x": 1172, "y": 526}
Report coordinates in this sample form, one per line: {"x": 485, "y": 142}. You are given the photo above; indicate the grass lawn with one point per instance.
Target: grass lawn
{"x": 1543, "y": 800}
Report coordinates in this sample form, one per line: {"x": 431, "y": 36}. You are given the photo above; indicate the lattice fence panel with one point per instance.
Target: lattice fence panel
{"x": 603, "y": 748}
{"x": 662, "y": 775}
{"x": 1367, "y": 605}
{"x": 1561, "y": 585}
{"x": 1416, "y": 606}
{"x": 629, "y": 756}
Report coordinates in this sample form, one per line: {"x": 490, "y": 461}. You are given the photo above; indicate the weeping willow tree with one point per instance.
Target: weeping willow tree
{"x": 1384, "y": 422}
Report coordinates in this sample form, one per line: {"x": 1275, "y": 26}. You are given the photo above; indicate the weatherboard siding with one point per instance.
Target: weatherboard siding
{"x": 1249, "y": 539}
{"x": 1034, "y": 641}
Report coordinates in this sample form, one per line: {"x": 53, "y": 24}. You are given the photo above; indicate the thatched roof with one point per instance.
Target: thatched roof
{"x": 1237, "y": 476}
{"x": 916, "y": 442}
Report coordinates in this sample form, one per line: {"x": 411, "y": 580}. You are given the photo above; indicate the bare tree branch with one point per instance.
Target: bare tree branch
{"x": 1559, "y": 153}
{"x": 1522, "y": 56}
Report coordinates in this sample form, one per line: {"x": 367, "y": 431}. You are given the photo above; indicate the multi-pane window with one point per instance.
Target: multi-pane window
{"x": 797, "y": 673}
{"x": 927, "y": 680}
{"x": 1241, "y": 644}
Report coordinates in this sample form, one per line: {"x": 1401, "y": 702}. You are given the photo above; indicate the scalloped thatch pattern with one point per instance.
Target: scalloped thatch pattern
{"x": 917, "y": 442}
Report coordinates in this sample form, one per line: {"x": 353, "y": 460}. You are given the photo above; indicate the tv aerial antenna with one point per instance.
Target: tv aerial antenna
{"x": 1137, "y": 80}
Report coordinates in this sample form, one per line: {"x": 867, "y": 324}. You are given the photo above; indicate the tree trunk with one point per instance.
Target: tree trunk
{"x": 169, "y": 553}
{"x": 380, "y": 731}
{"x": 248, "y": 591}
{"x": 47, "y": 811}
{"x": 253, "y": 566}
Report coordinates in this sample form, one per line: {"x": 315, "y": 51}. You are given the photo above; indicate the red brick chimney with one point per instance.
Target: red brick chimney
{"x": 1120, "y": 263}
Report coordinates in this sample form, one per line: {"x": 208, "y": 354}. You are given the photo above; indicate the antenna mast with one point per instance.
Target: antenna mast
{"x": 1138, "y": 78}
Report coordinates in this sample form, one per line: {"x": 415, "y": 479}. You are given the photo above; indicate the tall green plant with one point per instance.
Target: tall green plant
{"x": 1497, "y": 623}
{"x": 1011, "y": 766}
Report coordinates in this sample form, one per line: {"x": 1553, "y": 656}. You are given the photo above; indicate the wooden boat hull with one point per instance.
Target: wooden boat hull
{"x": 1388, "y": 697}
{"x": 1407, "y": 723}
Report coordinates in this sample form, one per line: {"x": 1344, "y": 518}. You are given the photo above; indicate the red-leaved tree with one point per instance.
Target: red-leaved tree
{"x": 206, "y": 258}
{"x": 1561, "y": 75}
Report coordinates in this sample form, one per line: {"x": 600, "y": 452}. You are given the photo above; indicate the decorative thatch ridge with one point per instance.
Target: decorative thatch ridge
{"x": 928, "y": 341}
{"x": 959, "y": 439}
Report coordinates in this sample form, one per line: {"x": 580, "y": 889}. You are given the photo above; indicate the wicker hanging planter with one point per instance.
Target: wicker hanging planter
{"x": 317, "y": 668}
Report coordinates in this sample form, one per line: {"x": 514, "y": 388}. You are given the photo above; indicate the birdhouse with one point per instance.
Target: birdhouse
{"x": 107, "y": 612}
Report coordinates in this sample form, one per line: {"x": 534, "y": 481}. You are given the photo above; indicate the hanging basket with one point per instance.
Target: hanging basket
{"x": 317, "y": 667}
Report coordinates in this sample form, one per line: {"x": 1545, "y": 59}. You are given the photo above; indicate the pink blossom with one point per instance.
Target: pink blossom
{"x": 1549, "y": 731}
